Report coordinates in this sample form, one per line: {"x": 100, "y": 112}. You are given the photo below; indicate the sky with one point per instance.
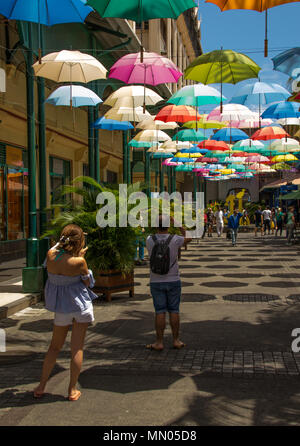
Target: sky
{"x": 244, "y": 31}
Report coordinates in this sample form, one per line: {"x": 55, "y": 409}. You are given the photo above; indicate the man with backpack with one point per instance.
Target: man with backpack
{"x": 165, "y": 284}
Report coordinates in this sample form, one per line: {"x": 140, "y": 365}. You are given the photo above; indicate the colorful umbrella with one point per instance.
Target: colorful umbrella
{"x": 284, "y": 158}
{"x": 177, "y": 113}
{"x": 282, "y": 110}
{"x": 256, "y": 5}
{"x": 267, "y": 133}
{"x": 289, "y": 121}
{"x": 189, "y": 135}
{"x": 288, "y": 62}
{"x": 203, "y": 123}
{"x": 152, "y": 135}
{"x": 139, "y": 144}
{"x": 127, "y": 114}
{"x": 221, "y": 66}
{"x": 248, "y": 143}
{"x": 286, "y": 145}
{"x": 151, "y": 124}
{"x": 132, "y": 96}
{"x": 211, "y": 144}
{"x": 231, "y": 112}
{"x": 229, "y": 134}
{"x": 111, "y": 124}
{"x": 196, "y": 95}
{"x": 75, "y": 95}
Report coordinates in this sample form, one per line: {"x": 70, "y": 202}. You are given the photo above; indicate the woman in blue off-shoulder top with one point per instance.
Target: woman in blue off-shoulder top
{"x": 68, "y": 295}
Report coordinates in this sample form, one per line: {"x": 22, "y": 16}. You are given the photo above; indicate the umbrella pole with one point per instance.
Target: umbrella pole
{"x": 39, "y": 37}
{"x": 266, "y": 33}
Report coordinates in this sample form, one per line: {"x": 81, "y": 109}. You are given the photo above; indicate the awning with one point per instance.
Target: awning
{"x": 283, "y": 182}
{"x": 291, "y": 196}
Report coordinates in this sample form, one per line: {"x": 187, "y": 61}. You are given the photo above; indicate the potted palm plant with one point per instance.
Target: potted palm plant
{"x": 111, "y": 249}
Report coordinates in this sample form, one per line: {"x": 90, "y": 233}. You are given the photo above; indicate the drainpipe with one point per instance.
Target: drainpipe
{"x": 32, "y": 274}
{"x": 96, "y": 148}
{"x": 91, "y": 152}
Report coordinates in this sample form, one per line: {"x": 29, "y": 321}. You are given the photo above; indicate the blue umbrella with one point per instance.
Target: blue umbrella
{"x": 183, "y": 160}
{"x": 191, "y": 150}
{"x": 282, "y": 110}
{"x": 189, "y": 135}
{"x": 73, "y": 95}
{"x": 288, "y": 62}
{"x": 45, "y": 12}
{"x": 111, "y": 124}
{"x": 138, "y": 144}
{"x": 229, "y": 134}
{"x": 258, "y": 94}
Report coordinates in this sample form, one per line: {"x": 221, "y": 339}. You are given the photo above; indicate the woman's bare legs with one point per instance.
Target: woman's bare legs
{"x": 58, "y": 339}
{"x": 77, "y": 342}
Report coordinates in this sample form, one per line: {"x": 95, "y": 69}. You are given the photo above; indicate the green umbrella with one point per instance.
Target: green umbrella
{"x": 189, "y": 135}
{"x": 137, "y": 144}
{"x": 221, "y": 66}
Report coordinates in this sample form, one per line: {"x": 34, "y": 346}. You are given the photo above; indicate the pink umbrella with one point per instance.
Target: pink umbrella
{"x": 257, "y": 159}
{"x": 153, "y": 70}
{"x": 167, "y": 162}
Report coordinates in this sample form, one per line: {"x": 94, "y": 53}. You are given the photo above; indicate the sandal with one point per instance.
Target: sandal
{"x": 75, "y": 397}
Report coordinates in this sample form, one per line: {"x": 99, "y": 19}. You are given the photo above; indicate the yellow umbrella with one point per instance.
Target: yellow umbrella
{"x": 284, "y": 158}
{"x": 203, "y": 123}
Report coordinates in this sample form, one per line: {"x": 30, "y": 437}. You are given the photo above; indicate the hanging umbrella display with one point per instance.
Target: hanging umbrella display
{"x": 76, "y": 95}
{"x": 196, "y": 95}
{"x": 288, "y": 62}
{"x": 177, "y": 145}
{"x": 132, "y": 96}
{"x": 289, "y": 121}
{"x": 256, "y": 159}
{"x": 189, "y": 135}
{"x": 111, "y": 124}
{"x": 229, "y": 134}
{"x": 139, "y": 144}
{"x": 248, "y": 143}
{"x": 255, "y": 122}
{"x": 177, "y": 113}
{"x": 267, "y": 133}
{"x": 286, "y": 145}
{"x": 284, "y": 158}
{"x": 127, "y": 114}
{"x": 282, "y": 110}
{"x": 256, "y": 5}
{"x": 221, "y": 66}
{"x": 203, "y": 123}
{"x": 152, "y": 135}
{"x": 230, "y": 112}
{"x": 45, "y": 12}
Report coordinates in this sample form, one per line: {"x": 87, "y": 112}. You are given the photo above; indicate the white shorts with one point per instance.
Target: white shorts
{"x": 64, "y": 319}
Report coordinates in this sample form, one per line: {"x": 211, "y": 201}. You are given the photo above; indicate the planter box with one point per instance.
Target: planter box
{"x": 109, "y": 282}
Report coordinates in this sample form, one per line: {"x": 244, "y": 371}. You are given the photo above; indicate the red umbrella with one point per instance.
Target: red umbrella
{"x": 213, "y": 145}
{"x": 267, "y": 133}
{"x": 243, "y": 154}
{"x": 177, "y": 113}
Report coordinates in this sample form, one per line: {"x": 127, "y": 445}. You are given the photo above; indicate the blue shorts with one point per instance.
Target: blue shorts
{"x": 166, "y": 296}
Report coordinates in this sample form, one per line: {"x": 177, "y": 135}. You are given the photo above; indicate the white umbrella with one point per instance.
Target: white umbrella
{"x": 70, "y": 66}
{"x": 289, "y": 121}
{"x": 151, "y": 124}
{"x": 285, "y": 145}
{"x": 231, "y": 112}
{"x": 132, "y": 96}
{"x": 152, "y": 135}
{"x": 127, "y": 114}
{"x": 176, "y": 145}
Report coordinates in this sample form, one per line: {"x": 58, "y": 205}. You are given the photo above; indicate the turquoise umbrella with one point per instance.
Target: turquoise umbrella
{"x": 189, "y": 135}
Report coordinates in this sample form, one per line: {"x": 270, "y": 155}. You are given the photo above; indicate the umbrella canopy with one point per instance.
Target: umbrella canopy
{"x": 205, "y": 159}
{"x": 70, "y": 66}
{"x": 203, "y": 123}
{"x": 140, "y": 11}
{"x": 230, "y": 134}
{"x": 252, "y": 123}
{"x": 127, "y": 114}
{"x": 154, "y": 69}
{"x": 282, "y": 110}
{"x": 288, "y": 62}
{"x": 177, "y": 113}
{"x": 230, "y": 112}
{"x": 45, "y": 12}
{"x": 189, "y": 135}
{"x": 258, "y": 94}
{"x": 213, "y": 145}
{"x": 196, "y": 95}
{"x": 288, "y": 121}
{"x": 132, "y": 96}
{"x": 177, "y": 145}
{"x": 111, "y": 124}
{"x": 248, "y": 143}
{"x": 284, "y": 158}
{"x": 256, "y": 159}
{"x": 151, "y": 124}
{"x": 74, "y": 95}
{"x": 139, "y": 144}
{"x": 285, "y": 144}
{"x": 152, "y": 135}
{"x": 221, "y": 66}
{"x": 270, "y": 133}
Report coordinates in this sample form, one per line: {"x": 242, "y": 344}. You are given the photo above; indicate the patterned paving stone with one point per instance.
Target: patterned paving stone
{"x": 222, "y": 266}
{"x": 243, "y": 275}
{"x": 282, "y": 284}
{"x": 251, "y": 297}
{"x": 223, "y": 284}
{"x": 295, "y": 297}
{"x": 263, "y": 267}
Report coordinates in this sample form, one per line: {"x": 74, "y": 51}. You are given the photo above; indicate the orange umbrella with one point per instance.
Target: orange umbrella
{"x": 213, "y": 145}
{"x": 256, "y": 5}
{"x": 267, "y": 133}
{"x": 177, "y": 113}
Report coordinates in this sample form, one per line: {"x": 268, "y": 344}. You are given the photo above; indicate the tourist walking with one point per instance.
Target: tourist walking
{"x": 165, "y": 284}
{"x": 267, "y": 220}
{"x": 219, "y": 217}
{"x": 210, "y": 221}
{"x": 279, "y": 221}
{"x": 273, "y": 221}
{"x": 205, "y": 224}
{"x": 290, "y": 225}
{"x": 67, "y": 294}
{"x": 233, "y": 224}
{"x": 258, "y": 221}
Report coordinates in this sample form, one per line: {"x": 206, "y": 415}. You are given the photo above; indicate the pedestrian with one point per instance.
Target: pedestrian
{"x": 219, "y": 216}
{"x": 258, "y": 221}
{"x": 210, "y": 221}
{"x": 233, "y": 224}
{"x": 165, "y": 284}
{"x": 267, "y": 220}
{"x": 68, "y": 295}
{"x": 279, "y": 221}
{"x": 205, "y": 225}
{"x": 290, "y": 225}
{"x": 273, "y": 220}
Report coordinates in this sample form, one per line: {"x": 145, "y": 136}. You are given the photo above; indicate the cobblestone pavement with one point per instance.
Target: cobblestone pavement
{"x": 238, "y": 361}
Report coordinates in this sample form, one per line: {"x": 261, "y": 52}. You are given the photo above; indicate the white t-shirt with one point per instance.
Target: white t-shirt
{"x": 176, "y": 243}
{"x": 219, "y": 216}
{"x": 267, "y": 214}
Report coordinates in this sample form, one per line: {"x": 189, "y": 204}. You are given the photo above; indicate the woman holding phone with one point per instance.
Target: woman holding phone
{"x": 68, "y": 295}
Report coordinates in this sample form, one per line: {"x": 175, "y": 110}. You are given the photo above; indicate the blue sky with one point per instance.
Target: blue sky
{"x": 244, "y": 31}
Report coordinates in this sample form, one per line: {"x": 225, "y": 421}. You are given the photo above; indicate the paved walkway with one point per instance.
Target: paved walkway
{"x": 239, "y": 307}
